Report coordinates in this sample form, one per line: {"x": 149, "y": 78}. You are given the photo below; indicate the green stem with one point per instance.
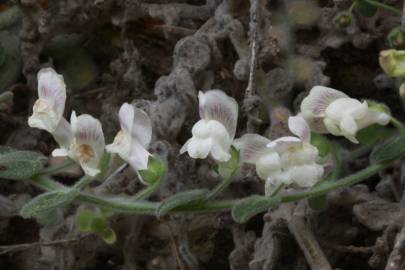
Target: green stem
{"x": 328, "y": 186}
{"x": 83, "y": 182}
{"x": 398, "y": 124}
{"x": 149, "y": 190}
{"x": 221, "y": 186}
{"x": 57, "y": 168}
{"x": 353, "y": 5}
{"x": 46, "y": 183}
{"x": 149, "y": 208}
{"x": 384, "y": 6}
{"x": 275, "y": 192}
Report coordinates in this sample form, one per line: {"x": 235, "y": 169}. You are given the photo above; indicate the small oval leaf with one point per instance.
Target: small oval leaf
{"x": 18, "y": 165}
{"x": 248, "y": 207}
{"x": 48, "y": 201}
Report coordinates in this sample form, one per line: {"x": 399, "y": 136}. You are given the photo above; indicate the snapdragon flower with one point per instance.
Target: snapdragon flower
{"x": 87, "y": 143}
{"x": 287, "y": 160}
{"x": 48, "y": 108}
{"x": 214, "y": 133}
{"x": 330, "y": 111}
{"x": 135, "y": 135}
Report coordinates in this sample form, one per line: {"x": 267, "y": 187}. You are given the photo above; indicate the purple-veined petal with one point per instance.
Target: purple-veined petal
{"x": 136, "y": 122}
{"x": 52, "y": 89}
{"x": 282, "y": 143}
{"x": 319, "y": 99}
{"x": 251, "y": 147}
{"x": 299, "y": 127}
{"x": 314, "y": 105}
{"x": 216, "y": 105}
{"x": 87, "y": 130}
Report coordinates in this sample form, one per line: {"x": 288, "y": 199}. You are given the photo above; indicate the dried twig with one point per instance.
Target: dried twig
{"x": 21, "y": 247}
{"x": 307, "y": 241}
{"x": 250, "y": 100}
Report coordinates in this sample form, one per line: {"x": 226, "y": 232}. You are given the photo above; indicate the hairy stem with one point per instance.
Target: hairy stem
{"x": 57, "y": 168}
{"x": 384, "y": 6}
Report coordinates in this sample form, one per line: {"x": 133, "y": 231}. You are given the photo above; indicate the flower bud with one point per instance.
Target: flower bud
{"x": 343, "y": 19}
{"x": 393, "y": 62}
{"x": 396, "y": 37}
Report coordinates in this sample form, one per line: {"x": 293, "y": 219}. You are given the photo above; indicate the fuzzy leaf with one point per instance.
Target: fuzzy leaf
{"x": 50, "y": 217}
{"x": 45, "y": 202}
{"x": 246, "y": 208}
{"x": 18, "y": 165}
{"x": 155, "y": 172}
{"x": 390, "y": 150}
{"x": 181, "y": 199}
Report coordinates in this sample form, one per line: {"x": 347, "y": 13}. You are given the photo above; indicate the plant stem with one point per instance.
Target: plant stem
{"x": 384, "y": 6}
{"x": 57, "y": 168}
{"x": 221, "y": 186}
{"x": 328, "y": 186}
{"x": 83, "y": 182}
{"x": 353, "y": 5}
{"x": 146, "y": 192}
{"x": 145, "y": 207}
{"x": 398, "y": 124}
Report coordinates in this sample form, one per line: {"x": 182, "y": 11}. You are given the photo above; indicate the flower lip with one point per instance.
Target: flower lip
{"x": 132, "y": 140}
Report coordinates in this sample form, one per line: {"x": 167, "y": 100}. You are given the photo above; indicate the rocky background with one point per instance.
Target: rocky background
{"x": 158, "y": 54}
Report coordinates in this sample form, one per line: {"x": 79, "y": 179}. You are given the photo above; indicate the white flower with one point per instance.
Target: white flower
{"x": 287, "y": 160}
{"x": 328, "y": 110}
{"x": 214, "y": 133}
{"x": 135, "y": 135}
{"x": 86, "y": 143}
{"x": 49, "y": 107}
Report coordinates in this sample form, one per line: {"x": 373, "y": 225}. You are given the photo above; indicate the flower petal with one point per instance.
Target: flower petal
{"x": 138, "y": 157}
{"x": 52, "y": 89}
{"x": 298, "y": 126}
{"x": 306, "y": 175}
{"x": 63, "y": 134}
{"x": 87, "y": 130}
{"x": 220, "y": 152}
{"x": 268, "y": 165}
{"x": 60, "y": 152}
{"x": 282, "y": 143}
{"x": 136, "y": 122}
{"x": 251, "y": 147}
{"x": 314, "y": 105}
{"x": 197, "y": 148}
{"x": 216, "y": 105}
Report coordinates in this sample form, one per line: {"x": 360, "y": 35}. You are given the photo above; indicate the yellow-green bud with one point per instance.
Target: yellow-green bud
{"x": 393, "y": 62}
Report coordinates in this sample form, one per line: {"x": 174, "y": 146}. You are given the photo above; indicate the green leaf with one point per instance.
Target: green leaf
{"x": 248, "y": 207}
{"x": 388, "y": 151}
{"x": 47, "y": 201}
{"x": 181, "y": 199}
{"x": 104, "y": 164}
{"x": 17, "y": 165}
{"x": 374, "y": 134}
{"x": 155, "y": 172}
{"x": 50, "y": 217}
{"x": 83, "y": 220}
{"x": 365, "y": 8}
{"x": 318, "y": 203}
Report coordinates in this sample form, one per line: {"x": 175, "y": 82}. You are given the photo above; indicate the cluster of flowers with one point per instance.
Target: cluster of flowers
{"x": 290, "y": 160}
